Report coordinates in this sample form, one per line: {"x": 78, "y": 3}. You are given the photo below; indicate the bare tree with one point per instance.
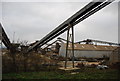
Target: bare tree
{"x": 23, "y": 49}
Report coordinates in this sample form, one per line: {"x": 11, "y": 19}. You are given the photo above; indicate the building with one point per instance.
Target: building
{"x": 87, "y": 50}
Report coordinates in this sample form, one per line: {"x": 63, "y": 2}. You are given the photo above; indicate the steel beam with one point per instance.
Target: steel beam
{"x": 93, "y": 11}
{"x": 5, "y": 38}
{"x": 81, "y": 19}
{"x": 66, "y": 55}
{"x": 63, "y": 27}
{"x": 52, "y": 43}
{"x": 63, "y": 39}
{"x": 72, "y": 45}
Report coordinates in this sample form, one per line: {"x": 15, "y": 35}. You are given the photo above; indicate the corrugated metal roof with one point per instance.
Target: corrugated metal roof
{"x": 91, "y": 47}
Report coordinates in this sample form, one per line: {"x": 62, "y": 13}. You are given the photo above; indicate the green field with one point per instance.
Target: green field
{"x": 88, "y": 73}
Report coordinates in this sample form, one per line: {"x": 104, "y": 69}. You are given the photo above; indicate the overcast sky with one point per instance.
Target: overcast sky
{"x": 33, "y": 20}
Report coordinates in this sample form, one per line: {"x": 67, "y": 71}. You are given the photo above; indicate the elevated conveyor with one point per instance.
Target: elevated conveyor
{"x": 89, "y": 41}
{"x": 82, "y": 14}
{"x": 5, "y": 38}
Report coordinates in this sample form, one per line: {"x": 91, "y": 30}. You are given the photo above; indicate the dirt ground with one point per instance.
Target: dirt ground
{"x": 69, "y": 63}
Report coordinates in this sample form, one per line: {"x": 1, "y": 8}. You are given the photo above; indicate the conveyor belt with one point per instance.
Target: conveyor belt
{"x": 82, "y": 14}
{"x": 58, "y": 39}
{"x": 98, "y": 41}
{"x": 53, "y": 43}
{"x": 5, "y": 38}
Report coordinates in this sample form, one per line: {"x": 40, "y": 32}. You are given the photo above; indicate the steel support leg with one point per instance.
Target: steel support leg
{"x": 72, "y": 38}
{"x": 72, "y": 45}
{"x": 67, "y": 47}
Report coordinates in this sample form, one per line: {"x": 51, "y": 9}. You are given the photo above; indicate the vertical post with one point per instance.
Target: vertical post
{"x": 1, "y": 39}
{"x": 72, "y": 38}
{"x": 67, "y": 47}
{"x": 72, "y": 45}
{"x": 0, "y": 52}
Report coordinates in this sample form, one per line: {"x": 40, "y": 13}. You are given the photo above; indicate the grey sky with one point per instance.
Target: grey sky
{"x": 33, "y": 20}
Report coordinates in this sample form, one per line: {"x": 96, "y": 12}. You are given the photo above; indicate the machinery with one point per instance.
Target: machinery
{"x": 90, "y": 41}
{"x": 79, "y": 16}
{"x": 68, "y": 24}
{"x": 5, "y": 38}
{"x": 13, "y": 47}
{"x": 57, "y": 46}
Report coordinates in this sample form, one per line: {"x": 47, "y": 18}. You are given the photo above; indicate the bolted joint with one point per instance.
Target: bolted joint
{"x": 70, "y": 26}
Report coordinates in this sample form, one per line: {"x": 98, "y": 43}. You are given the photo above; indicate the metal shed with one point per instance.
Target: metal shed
{"x": 87, "y": 50}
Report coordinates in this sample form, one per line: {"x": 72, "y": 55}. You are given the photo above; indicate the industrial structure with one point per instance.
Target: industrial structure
{"x": 87, "y": 50}
{"x": 79, "y": 16}
{"x": 76, "y": 49}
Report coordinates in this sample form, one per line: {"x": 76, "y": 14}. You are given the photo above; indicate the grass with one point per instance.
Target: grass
{"x": 88, "y": 73}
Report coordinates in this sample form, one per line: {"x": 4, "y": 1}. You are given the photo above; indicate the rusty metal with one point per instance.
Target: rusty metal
{"x": 72, "y": 44}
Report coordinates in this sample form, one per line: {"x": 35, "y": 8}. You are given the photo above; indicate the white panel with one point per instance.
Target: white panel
{"x": 88, "y": 54}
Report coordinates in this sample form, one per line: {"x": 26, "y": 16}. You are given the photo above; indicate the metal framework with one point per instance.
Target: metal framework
{"x": 68, "y": 39}
{"x": 63, "y": 39}
{"x": 5, "y": 38}
{"x": 88, "y": 41}
{"x": 58, "y": 39}
{"x": 82, "y": 14}
{"x": 53, "y": 43}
